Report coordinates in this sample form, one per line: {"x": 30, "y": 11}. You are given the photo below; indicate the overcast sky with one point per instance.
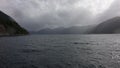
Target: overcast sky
{"x": 37, "y": 14}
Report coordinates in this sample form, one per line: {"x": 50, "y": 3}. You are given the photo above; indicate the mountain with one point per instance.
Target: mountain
{"x": 9, "y": 26}
{"x": 111, "y": 26}
{"x": 69, "y": 30}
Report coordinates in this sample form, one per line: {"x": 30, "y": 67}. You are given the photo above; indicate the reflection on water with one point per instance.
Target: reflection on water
{"x": 60, "y": 51}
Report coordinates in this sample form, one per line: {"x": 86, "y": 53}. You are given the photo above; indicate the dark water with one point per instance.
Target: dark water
{"x": 60, "y": 51}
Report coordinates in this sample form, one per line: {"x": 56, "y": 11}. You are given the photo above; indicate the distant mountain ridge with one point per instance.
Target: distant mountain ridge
{"x": 9, "y": 26}
{"x": 111, "y": 26}
{"x": 69, "y": 30}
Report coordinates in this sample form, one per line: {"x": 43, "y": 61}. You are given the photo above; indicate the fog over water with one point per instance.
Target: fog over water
{"x": 37, "y": 14}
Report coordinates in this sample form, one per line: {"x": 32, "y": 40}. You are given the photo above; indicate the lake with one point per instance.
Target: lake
{"x": 60, "y": 51}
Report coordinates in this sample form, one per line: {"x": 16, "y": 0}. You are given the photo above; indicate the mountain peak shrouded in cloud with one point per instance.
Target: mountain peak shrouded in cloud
{"x": 111, "y": 12}
{"x": 38, "y": 14}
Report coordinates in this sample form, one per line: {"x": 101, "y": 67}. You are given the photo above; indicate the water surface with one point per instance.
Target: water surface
{"x": 60, "y": 51}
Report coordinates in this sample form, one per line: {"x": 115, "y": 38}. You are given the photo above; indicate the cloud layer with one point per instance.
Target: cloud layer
{"x": 37, "y": 14}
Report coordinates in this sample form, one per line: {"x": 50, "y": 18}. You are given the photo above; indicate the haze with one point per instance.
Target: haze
{"x": 38, "y": 14}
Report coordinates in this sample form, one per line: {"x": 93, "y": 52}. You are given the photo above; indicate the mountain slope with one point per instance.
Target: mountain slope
{"x": 8, "y": 26}
{"x": 110, "y": 26}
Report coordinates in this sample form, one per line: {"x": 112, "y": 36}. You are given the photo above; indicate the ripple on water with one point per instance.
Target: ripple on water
{"x": 30, "y": 50}
{"x": 74, "y": 66}
{"x": 81, "y": 43}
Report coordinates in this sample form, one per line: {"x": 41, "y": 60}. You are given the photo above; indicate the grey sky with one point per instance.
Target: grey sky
{"x": 37, "y": 14}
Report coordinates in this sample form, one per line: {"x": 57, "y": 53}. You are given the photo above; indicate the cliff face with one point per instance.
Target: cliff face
{"x": 8, "y": 26}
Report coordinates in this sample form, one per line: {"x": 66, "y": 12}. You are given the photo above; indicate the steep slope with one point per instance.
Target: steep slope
{"x": 110, "y": 26}
{"x": 8, "y": 26}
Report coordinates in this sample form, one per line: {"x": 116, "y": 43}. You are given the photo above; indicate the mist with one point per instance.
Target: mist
{"x": 112, "y": 11}
{"x": 39, "y": 14}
